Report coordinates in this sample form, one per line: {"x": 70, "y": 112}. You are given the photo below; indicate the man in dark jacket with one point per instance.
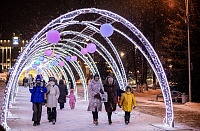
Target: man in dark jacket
{"x": 37, "y": 98}
{"x": 63, "y": 92}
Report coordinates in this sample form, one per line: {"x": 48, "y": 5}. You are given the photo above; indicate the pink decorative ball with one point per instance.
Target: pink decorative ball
{"x": 74, "y": 58}
{"x": 91, "y": 48}
{"x": 84, "y": 51}
{"x": 61, "y": 63}
{"x": 53, "y": 36}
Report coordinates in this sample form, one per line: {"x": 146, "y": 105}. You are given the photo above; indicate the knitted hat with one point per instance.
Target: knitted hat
{"x": 96, "y": 75}
{"x": 38, "y": 78}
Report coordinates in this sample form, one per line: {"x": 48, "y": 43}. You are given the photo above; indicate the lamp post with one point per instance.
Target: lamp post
{"x": 188, "y": 40}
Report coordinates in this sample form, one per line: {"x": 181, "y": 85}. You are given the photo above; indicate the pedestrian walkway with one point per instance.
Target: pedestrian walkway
{"x": 79, "y": 119}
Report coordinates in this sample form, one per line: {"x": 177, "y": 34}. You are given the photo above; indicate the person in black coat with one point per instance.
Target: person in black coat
{"x": 111, "y": 90}
{"x": 63, "y": 92}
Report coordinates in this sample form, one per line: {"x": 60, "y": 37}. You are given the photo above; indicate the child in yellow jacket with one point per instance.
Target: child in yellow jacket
{"x": 127, "y": 102}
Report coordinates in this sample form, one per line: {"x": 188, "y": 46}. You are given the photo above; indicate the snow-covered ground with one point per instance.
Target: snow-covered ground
{"x": 79, "y": 119}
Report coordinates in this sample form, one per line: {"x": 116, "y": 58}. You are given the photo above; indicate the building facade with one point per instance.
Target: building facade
{"x": 9, "y": 51}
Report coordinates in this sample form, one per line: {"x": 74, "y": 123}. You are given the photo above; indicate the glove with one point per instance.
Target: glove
{"x": 101, "y": 91}
{"x": 97, "y": 96}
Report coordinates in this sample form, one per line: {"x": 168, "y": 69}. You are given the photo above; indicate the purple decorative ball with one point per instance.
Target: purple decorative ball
{"x": 41, "y": 58}
{"x": 91, "y": 48}
{"x": 106, "y": 30}
{"x": 68, "y": 58}
{"x": 48, "y": 52}
{"x": 57, "y": 56}
{"x": 53, "y": 36}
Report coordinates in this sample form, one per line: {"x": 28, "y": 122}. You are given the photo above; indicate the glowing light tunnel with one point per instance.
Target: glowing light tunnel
{"x": 60, "y": 23}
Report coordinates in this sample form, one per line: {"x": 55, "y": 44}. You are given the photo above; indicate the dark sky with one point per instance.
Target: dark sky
{"x": 27, "y": 17}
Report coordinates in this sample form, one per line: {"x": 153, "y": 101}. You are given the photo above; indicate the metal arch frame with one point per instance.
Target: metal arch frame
{"x": 83, "y": 79}
{"x": 116, "y": 69}
{"x": 95, "y": 29}
{"x": 118, "y": 76}
{"x": 78, "y": 55}
{"x": 156, "y": 62}
{"x": 78, "y": 71}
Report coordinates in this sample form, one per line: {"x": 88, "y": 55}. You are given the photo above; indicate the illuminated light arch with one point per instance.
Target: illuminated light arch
{"x": 93, "y": 73}
{"x": 105, "y": 51}
{"x": 151, "y": 56}
{"x": 95, "y": 29}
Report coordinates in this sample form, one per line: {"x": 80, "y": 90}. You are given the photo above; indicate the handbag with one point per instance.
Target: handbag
{"x": 104, "y": 97}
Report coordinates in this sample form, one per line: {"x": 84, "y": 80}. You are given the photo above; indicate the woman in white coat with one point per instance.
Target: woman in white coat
{"x": 52, "y": 99}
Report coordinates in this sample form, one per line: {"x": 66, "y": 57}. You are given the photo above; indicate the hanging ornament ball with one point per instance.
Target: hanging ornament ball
{"x": 41, "y": 58}
{"x": 53, "y": 36}
{"x": 34, "y": 66}
{"x": 74, "y": 58}
{"x": 106, "y": 30}
{"x": 68, "y": 58}
{"x": 37, "y": 62}
{"x": 48, "y": 52}
{"x": 61, "y": 63}
{"x": 55, "y": 63}
{"x": 45, "y": 60}
{"x": 57, "y": 56}
{"x": 84, "y": 51}
{"x": 52, "y": 55}
{"x": 91, "y": 48}
{"x": 51, "y": 64}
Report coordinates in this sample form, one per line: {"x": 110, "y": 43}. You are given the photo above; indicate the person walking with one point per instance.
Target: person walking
{"x": 127, "y": 102}
{"x": 52, "y": 100}
{"x": 37, "y": 98}
{"x": 95, "y": 88}
{"x": 72, "y": 99}
{"x": 111, "y": 89}
{"x": 63, "y": 93}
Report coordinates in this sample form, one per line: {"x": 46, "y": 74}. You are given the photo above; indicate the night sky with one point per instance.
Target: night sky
{"x": 28, "y": 17}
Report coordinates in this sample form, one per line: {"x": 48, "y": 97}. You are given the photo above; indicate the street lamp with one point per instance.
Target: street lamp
{"x": 188, "y": 35}
{"x": 122, "y": 54}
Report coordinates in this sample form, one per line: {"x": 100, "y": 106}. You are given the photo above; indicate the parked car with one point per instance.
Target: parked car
{"x": 131, "y": 82}
{"x": 176, "y": 95}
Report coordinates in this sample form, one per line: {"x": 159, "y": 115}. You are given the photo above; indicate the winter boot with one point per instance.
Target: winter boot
{"x": 38, "y": 123}
{"x": 110, "y": 122}
{"x": 35, "y": 123}
{"x": 53, "y": 122}
{"x": 96, "y": 122}
{"x": 126, "y": 120}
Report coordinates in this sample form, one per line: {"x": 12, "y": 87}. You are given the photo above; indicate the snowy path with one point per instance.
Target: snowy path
{"x": 78, "y": 119}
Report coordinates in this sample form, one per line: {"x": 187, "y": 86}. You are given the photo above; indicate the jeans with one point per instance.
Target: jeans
{"x": 95, "y": 114}
{"x": 51, "y": 112}
{"x": 37, "y": 112}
